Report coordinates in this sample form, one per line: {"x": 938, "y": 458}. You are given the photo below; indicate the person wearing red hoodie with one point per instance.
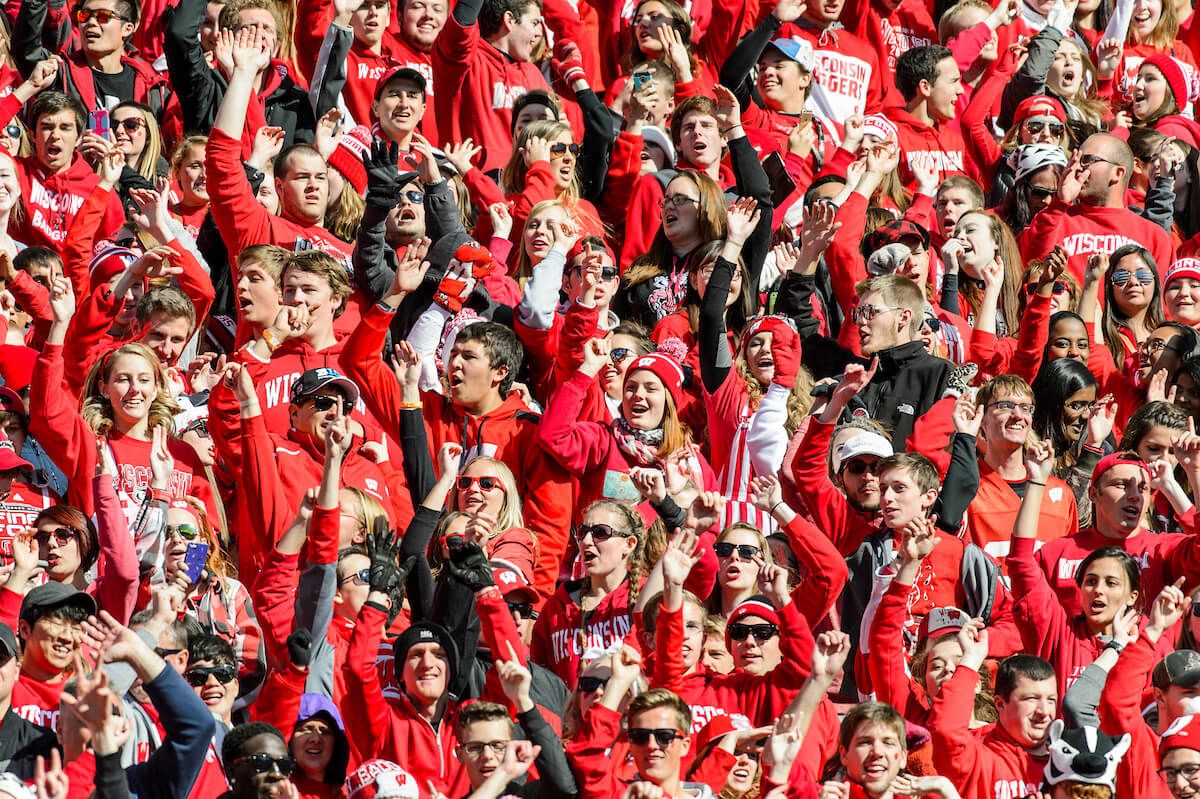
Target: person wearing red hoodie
{"x": 1090, "y": 215}
{"x": 929, "y": 79}
{"x": 482, "y": 62}
{"x": 1007, "y": 760}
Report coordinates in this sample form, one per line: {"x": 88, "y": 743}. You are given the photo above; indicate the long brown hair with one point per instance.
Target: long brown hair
{"x": 1010, "y": 256}
{"x": 712, "y": 219}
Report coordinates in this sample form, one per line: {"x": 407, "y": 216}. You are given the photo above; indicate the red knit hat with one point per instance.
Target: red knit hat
{"x": 1039, "y": 105}
{"x": 1184, "y": 733}
{"x": 347, "y": 157}
{"x": 16, "y": 365}
{"x": 1117, "y": 459}
{"x": 1172, "y": 72}
{"x": 1183, "y": 267}
{"x": 665, "y": 368}
{"x": 756, "y": 605}
{"x": 780, "y": 327}
{"x": 108, "y": 263}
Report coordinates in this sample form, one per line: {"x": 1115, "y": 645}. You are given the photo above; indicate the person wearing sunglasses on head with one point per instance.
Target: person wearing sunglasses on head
{"x": 1090, "y": 216}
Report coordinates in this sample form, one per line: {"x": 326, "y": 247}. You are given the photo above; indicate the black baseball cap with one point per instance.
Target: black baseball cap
{"x": 314, "y": 380}
{"x": 1181, "y": 667}
{"x": 51, "y": 596}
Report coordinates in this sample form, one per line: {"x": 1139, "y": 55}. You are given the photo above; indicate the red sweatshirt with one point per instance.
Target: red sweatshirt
{"x": 18, "y": 508}
{"x": 890, "y": 679}
{"x": 993, "y": 512}
{"x": 37, "y": 701}
{"x": 475, "y": 87}
{"x": 845, "y": 525}
{"x": 1120, "y": 710}
{"x": 851, "y": 81}
{"x": 1164, "y": 558}
{"x": 982, "y": 764}
{"x": 560, "y": 635}
{"x": 940, "y": 144}
{"x": 1086, "y": 229}
{"x": 892, "y": 32}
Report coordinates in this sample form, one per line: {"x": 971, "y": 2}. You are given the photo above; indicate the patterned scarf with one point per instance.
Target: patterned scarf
{"x": 640, "y": 446}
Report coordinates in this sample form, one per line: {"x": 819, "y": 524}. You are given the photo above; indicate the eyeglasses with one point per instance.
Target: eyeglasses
{"x": 1121, "y": 277}
{"x": 521, "y": 609}
{"x": 1059, "y": 287}
{"x": 589, "y": 685}
{"x": 761, "y": 632}
{"x": 559, "y": 149}
{"x": 598, "y": 532}
{"x": 859, "y": 467}
{"x": 414, "y": 197}
{"x": 62, "y": 536}
{"x": 1042, "y": 193}
{"x": 486, "y": 483}
{"x": 745, "y": 551}
{"x": 131, "y": 124}
{"x": 619, "y": 354}
{"x": 475, "y": 748}
{"x": 362, "y": 577}
{"x": 663, "y": 736}
{"x": 1088, "y": 160}
{"x": 866, "y": 313}
{"x": 186, "y": 531}
{"x": 101, "y": 15}
{"x": 263, "y": 763}
{"x": 1189, "y": 772}
{"x": 325, "y": 402}
{"x": 677, "y": 201}
{"x": 1037, "y": 126}
{"x": 1153, "y": 346}
{"x": 199, "y": 675}
{"x": 1005, "y": 406}
{"x": 12, "y": 131}
{"x": 1079, "y": 406}
{"x": 199, "y": 427}
{"x": 606, "y": 272}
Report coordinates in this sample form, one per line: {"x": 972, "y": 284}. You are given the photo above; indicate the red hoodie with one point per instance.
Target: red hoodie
{"x": 892, "y": 31}
{"x": 1120, "y": 710}
{"x": 940, "y": 144}
{"x": 849, "y": 79}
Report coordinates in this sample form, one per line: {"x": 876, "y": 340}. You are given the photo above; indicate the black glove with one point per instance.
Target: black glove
{"x": 383, "y": 174}
{"x": 469, "y": 566}
{"x": 299, "y": 645}
{"x": 382, "y": 546}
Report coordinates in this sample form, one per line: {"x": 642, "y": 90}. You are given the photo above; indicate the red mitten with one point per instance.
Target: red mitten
{"x": 785, "y": 347}
{"x": 478, "y": 259}
{"x": 568, "y": 62}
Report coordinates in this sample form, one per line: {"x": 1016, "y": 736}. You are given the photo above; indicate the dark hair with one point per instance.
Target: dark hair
{"x": 169, "y": 301}
{"x": 1011, "y": 668}
{"x": 1190, "y": 367}
{"x": 283, "y": 160}
{"x": 491, "y": 16}
{"x": 234, "y": 745}
{"x": 1133, "y": 570}
{"x": 1055, "y": 318}
{"x": 502, "y": 346}
{"x": 211, "y": 647}
{"x": 923, "y": 472}
{"x": 1151, "y": 415}
{"x": 482, "y": 711}
{"x": 81, "y": 525}
{"x": 878, "y": 713}
{"x": 700, "y": 104}
{"x": 37, "y": 256}
{"x": 1191, "y": 340}
{"x": 1055, "y": 382}
{"x": 810, "y": 193}
{"x": 51, "y": 102}
{"x": 1016, "y": 208}
{"x": 919, "y": 64}
{"x": 1114, "y": 319}
{"x": 59, "y": 612}
{"x": 129, "y": 9}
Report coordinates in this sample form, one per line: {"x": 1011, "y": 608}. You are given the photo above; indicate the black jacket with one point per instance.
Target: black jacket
{"x": 21, "y": 741}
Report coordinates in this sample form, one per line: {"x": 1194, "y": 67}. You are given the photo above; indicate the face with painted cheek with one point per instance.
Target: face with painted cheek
{"x": 875, "y": 756}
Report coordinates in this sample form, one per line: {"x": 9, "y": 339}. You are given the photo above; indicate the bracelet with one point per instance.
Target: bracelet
{"x": 1036, "y": 483}
{"x": 269, "y": 339}
{"x": 1116, "y": 646}
{"x": 731, "y": 127}
{"x": 776, "y": 505}
{"x": 411, "y": 406}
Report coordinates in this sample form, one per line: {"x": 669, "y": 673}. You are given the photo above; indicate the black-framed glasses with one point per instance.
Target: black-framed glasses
{"x": 1042, "y": 193}
{"x": 1008, "y": 406}
{"x": 61, "y": 535}
{"x": 724, "y": 549}
{"x": 761, "y": 632}
{"x": 677, "y": 201}
{"x": 866, "y": 313}
{"x": 101, "y": 15}
{"x": 198, "y": 675}
{"x": 362, "y": 577}
{"x": 164, "y": 652}
{"x": 589, "y": 685}
{"x": 1120, "y": 277}
{"x": 1088, "y": 160}
{"x": 663, "y": 736}
{"x": 1153, "y": 346}
{"x": 475, "y": 748}
{"x": 1036, "y": 126}
{"x": 521, "y": 609}
{"x": 619, "y": 354}
{"x": 598, "y": 532}
{"x": 1189, "y": 772}
{"x": 188, "y": 532}
{"x": 486, "y": 483}
{"x": 559, "y": 149}
{"x": 1060, "y": 287}
{"x": 262, "y": 763}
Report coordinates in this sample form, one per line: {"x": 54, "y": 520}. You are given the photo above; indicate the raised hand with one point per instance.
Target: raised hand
{"x": 250, "y": 51}
{"x": 325, "y": 139}
{"x": 1108, "y": 56}
{"x": 728, "y": 109}
{"x": 62, "y": 299}
{"x": 411, "y": 268}
{"x": 382, "y": 163}
{"x": 406, "y": 364}
{"x": 973, "y": 638}
{"x": 1168, "y": 608}
{"x": 519, "y": 757}
{"x": 883, "y": 159}
{"x": 705, "y": 511}
{"x": 925, "y": 785}
{"x": 1039, "y": 461}
{"x": 968, "y": 415}
{"x": 1125, "y": 626}
{"x": 1100, "y": 423}
{"x": 338, "y": 439}
{"x": 680, "y": 59}
{"x": 1156, "y": 390}
{"x": 268, "y": 143}
{"x": 502, "y": 221}
{"x": 595, "y": 356}
{"x": 49, "y": 779}
{"x": 829, "y": 655}
{"x": 1186, "y": 447}
{"x": 817, "y": 232}
{"x": 855, "y": 378}
{"x": 515, "y": 679}
{"x": 650, "y": 483}
{"x": 772, "y": 581}
{"x": 238, "y": 380}
{"x": 426, "y": 165}
{"x": 741, "y": 220}
{"x": 566, "y": 235}
{"x": 680, "y": 556}
{"x": 162, "y": 463}
{"x": 459, "y": 155}
{"x": 852, "y": 134}
{"x": 789, "y": 10}
{"x": 1072, "y": 180}
{"x": 535, "y": 149}
{"x": 766, "y": 492}
{"x": 44, "y": 74}
{"x": 382, "y": 548}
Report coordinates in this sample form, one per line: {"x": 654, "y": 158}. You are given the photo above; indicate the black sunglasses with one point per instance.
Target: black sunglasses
{"x": 663, "y": 736}
{"x": 1042, "y": 193}
{"x": 606, "y": 272}
{"x": 263, "y": 763}
{"x": 13, "y": 131}
{"x": 325, "y": 402}
{"x": 1059, "y": 288}
{"x": 761, "y": 632}
{"x": 588, "y": 685}
{"x": 486, "y": 483}
{"x": 199, "y": 675}
{"x": 932, "y": 323}
{"x": 522, "y": 609}
{"x": 745, "y": 551}
{"x": 598, "y": 532}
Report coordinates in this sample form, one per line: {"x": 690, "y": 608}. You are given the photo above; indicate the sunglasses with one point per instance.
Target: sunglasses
{"x": 866, "y": 313}
{"x": 485, "y": 483}
{"x": 745, "y": 551}
{"x": 362, "y": 577}
{"x": 561, "y": 149}
{"x": 598, "y": 532}
{"x": 199, "y": 427}
{"x": 188, "y": 531}
{"x": 1121, "y": 277}
{"x": 326, "y": 403}
{"x": 761, "y": 632}
{"x": 101, "y": 15}
{"x": 1059, "y": 288}
{"x": 131, "y": 124}
{"x": 12, "y": 131}
{"x": 663, "y": 736}
{"x": 414, "y": 197}
{"x": 619, "y": 354}
{"x": 1042, "y": 193}
{"x": 62, "y": 536}
{"x": 523, "y": 610}
{"x": 860, "y": 467}
{"x": 263, "y": 763}
{"x": 606, "y": 272}
{"x": 932, "y": 324}
{"x": 1036, "y": 127}
{"x": 199, "y": 675}
{"x": 589, "y": 685}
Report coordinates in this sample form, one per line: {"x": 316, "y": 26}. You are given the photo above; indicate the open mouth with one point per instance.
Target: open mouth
{"x": 212, "y": 695}
{"x": 407, "y": 214}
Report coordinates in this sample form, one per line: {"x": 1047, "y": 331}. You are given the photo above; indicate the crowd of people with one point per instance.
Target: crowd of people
{"x": 429, "y": 399}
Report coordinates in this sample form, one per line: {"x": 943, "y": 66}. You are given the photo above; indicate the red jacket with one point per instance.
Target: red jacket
{"x": 475, "y": 86}
{"x": 891, "y": 680}
{"x": 1120, "y": 711}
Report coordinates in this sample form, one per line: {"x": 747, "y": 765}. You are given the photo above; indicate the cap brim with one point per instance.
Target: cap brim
{"x": 341, "y": 382}
{"x": 1188, "y": 679}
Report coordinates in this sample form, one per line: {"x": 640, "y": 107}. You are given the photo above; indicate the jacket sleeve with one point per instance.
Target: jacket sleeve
{"x": 442, "y": 217}
{"x": 576, "y": 445}
{"x": 1043, "y": 231}
{"x": 716, "y": 360}
{"x": 889, "y": 679}
{"x": 1038, "y": 611}
{"x": 1030, "y": 78}
{"x": 274, "y": 594}
{"x": 1121, "y": 700}
{"x": 956, "y": 749}
{"x": 241, "y": 219}
{"x": 825, "y": 567}
{"x": 360, "y": 362}
{"x": 668, "y": 661}
{"x": 54, "y": 419}
{"x": 118, "y": 581}
{"x": 28, "y": 37}
{"x": 364, "y": 694}
{"x": 555, "y": 778}
{"x": 189, "y": 728}
{"x": 829, "y": 507}
{"x": 589, "y": 752}
{"x": 80, "y": 243}
{"x": 372, "y": 274}
{"x": 843, "y": 258}
{"x": 194, "y": 81}
{"x": 599, "y": 135}
{"x": 278, "y": 703}
{"x": 960, "y": 484}
{"x": 267, "y": 507}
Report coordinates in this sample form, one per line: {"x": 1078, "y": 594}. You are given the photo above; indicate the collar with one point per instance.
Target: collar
{"x": 893, "y": 358}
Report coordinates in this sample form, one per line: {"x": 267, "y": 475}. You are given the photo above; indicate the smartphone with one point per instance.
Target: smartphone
{"x": 782, "y": 184}
{"x": 640, "y": 79}
{"x": 194, "y": 560}
{"x": 98, "y": 122}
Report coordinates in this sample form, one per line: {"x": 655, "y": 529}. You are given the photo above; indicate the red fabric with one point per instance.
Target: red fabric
{"x": 939, "y": 144}
{"x": 993, "y": 513}
{"x": 1120, "y": 709}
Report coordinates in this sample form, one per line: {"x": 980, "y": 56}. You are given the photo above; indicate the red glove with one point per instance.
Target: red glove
{"x": 785, "y": 350}
{"x": 568, "y": 62}
{"x": 479, "y": 259}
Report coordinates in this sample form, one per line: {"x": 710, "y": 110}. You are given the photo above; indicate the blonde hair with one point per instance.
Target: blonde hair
{"x": 510, "y": 512}
{"x": 365, "y": 508}
{"x": 524, "y": 264}
{"x": 344, "y": 215}
{"x": 315, "y": 262}
{"x": 512, "y": 177}
{"x": 146, "y": 164}
{"x": 97, "y": 410}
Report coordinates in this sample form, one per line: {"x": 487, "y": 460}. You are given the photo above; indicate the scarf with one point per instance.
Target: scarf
{"x": 639, "y": 446}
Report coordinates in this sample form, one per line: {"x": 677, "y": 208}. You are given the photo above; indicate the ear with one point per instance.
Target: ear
{"x": 508, "y": 21}
{"x": 905, "y": 317}
{"x": 293, "y": 412}
{"x": 930, "y": 497}
{"x": 499, "y": 374}
{"x": 686, "y": 744}
{"x": 24, "y": 630}
{"x": 924, "y": 88}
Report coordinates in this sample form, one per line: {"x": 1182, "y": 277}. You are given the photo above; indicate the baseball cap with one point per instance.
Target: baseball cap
{"x": 9, "y": 459}
{"x": 1181, "y": 667}
{"x": 314, "y": 380}
{"x": 652, "y": 134}
{"x": 510, "y": 579}
{"x": 401, "y": 73}
{"x": 798, "y": 50}
{"x": 894, "y": 232}
{"x": 8, "y": 642}
{"x": 53, "y": 595}
{"x": 941, "y": 621}
{"x": 865, "y": 443}
{"x": 11, "y": 401}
